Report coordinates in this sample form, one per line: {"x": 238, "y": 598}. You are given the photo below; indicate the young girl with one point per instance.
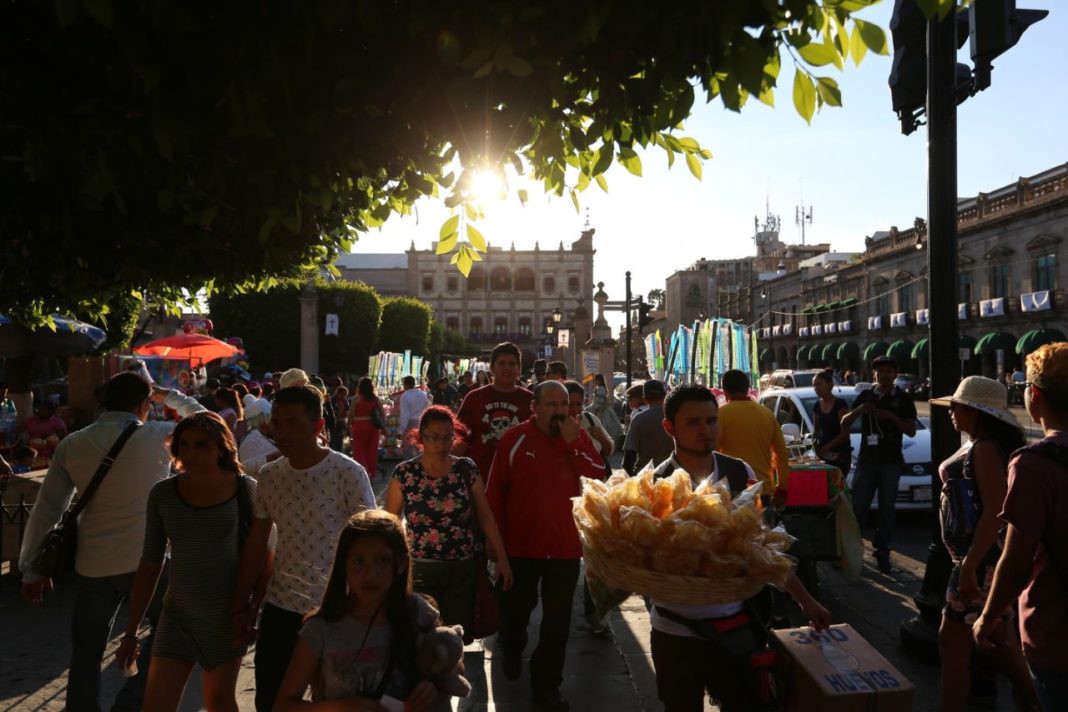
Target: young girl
{"x": 201, "y": 513}
{"x": 442, "y": 497}
{"x": 359, "y": 646}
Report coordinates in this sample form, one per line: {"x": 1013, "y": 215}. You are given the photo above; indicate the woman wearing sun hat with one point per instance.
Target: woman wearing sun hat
{"x": 974, "y": 482}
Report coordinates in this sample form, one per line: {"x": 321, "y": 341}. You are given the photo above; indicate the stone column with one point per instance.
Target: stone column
{"x": 601, "y": 339}
{"x": 309, "y": 328}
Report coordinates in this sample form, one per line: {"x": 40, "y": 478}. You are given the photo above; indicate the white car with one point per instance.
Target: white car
{"x": 794, "y": 406}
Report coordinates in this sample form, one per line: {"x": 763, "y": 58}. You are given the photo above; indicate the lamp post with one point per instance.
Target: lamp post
{"x": 550, "y": 327}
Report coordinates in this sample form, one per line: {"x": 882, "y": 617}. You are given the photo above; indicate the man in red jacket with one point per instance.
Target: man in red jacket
{"x": 535, "y": 474}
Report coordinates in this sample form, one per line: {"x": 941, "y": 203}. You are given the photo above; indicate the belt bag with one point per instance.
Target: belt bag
{"x": 56, "y": 558}
{"x": 742, "y": 640}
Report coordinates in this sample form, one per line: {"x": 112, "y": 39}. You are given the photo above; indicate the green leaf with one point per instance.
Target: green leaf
{"x": 689, "y": 144}
{"x": 470, "y": 211}
{"x": 575, "y": 200}
{"x": 767, "y": 96}
{"x": 447, "y": 244}
{"x": 474, "y": 236}
{"x": 518, "y": 67}
{"x": 522, "y": 193}
{"x": 857, "y": 48}
{"x": 604, "y": 157}
{"x": 631, "y": 161}
{"x": 804, "y": 95}
{"x": 694, "y": 164}
{"x": 818, "y": 55}
{"x": 464, "y": 263}
{"x": 601, "y": 182}
{"x": 449, "y": 227}
{"x": 829, "y": 91}
{"x": 874, "y": 37}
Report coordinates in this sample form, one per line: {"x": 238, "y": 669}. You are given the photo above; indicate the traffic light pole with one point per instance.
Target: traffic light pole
{"x": 921, "y": 634}
{"x": 630, "y": 369}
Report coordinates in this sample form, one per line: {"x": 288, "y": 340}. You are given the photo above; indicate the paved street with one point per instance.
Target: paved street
{"x": 601, "y": 673}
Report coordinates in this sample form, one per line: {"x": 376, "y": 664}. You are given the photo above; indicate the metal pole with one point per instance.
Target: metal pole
{"x": 627, "y": 303}
{"x": 920, "y": 633}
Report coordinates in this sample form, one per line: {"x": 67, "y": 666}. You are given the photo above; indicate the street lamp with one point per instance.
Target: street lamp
{"x": 557, "y": 316}
{"x": 550, "y": 327}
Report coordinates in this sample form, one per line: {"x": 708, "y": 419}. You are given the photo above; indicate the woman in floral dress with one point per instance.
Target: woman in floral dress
{"x": 442, "y": 500}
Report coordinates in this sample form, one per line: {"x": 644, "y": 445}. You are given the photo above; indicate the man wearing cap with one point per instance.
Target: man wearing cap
{"x": 540, "y": 369}
{"x": 887, "y": 414}
{"x": 647, "y": 441}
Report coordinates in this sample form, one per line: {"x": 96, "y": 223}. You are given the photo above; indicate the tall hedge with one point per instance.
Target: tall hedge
{"x": 269, "y": 324}
{"x": 405, "y": 325}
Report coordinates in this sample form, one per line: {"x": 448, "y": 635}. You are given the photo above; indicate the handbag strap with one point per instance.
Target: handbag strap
{"x": 102, "y": 470}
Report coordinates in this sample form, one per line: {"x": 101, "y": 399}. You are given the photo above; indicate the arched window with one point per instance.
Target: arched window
{"x": 548, "y": 284}
{"x": 476, "y": 325}
{"x": 524, "y": 280}
{"x": 476, "y": 280}
{"x": 500, "y": 324}
{"x": 452, "y": 322}
{"x": 524, "y": 325}
{"x": 573, "y": 283}
{"x": 500, "y": 280}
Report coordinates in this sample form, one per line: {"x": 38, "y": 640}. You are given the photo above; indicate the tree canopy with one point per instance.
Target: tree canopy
{"x": 156, "y": 148}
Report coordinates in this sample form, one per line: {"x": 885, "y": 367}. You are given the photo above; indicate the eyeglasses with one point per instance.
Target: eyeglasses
{"x": 433, "y": 439}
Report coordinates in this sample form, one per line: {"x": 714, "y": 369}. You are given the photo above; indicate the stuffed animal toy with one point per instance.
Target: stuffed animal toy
{"x": 439, "y": 653}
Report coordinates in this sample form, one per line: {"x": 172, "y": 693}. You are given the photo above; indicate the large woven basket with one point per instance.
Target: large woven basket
{"x": 668, "y": 588}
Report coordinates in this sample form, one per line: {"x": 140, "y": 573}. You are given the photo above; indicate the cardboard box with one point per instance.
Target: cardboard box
{"x": 838, "y": 671}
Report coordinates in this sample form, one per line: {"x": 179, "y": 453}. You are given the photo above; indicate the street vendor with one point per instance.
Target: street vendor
{"x": 690, "y": 663}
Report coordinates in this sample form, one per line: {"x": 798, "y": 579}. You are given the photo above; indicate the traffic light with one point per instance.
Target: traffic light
{"x": 908, "y": 73}
{"x": 993, "y": 27}
{"x": 643, "y": 314}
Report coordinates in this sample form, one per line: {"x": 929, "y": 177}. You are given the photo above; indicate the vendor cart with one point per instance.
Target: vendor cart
{"x": 811, "y": 516}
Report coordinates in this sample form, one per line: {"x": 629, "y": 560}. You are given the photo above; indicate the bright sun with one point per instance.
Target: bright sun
{"x": 487, "y": 184}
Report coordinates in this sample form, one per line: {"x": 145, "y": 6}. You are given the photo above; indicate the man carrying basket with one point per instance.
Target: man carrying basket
{"x": 714, "y": 648}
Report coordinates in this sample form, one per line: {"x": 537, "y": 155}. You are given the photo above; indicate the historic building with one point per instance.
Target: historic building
{"x": 1010, "y": 289}
{"x": 723, "y": 288}
{"x": 509, "y": 296}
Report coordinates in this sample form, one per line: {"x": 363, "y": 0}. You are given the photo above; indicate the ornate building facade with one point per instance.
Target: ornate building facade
{"x": 1011, "y": 279}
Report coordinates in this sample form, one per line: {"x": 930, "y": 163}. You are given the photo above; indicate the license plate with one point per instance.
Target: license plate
{"x": 921, "y": 494}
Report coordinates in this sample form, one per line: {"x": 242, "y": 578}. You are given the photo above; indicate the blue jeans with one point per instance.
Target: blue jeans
{"x": 869, "y": 478}
{"x": 1051, "y": 686}
{"x": 96, "y": 603}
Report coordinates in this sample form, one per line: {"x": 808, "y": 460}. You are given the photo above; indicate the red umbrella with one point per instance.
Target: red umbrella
{"x": 195, "y": 348}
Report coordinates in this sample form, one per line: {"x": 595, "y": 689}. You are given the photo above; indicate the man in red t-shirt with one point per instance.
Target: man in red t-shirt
{"x": 1034, "y": 563}
{"x": 534, "y": 476}
{"x": 490, "y": 410}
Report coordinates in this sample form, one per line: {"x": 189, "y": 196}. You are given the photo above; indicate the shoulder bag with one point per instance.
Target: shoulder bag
{"x": 486, "y": 616}
{"x": 56, "y": 558}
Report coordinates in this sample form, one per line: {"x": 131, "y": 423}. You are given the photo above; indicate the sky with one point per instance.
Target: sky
{"x": 851, "y": 166}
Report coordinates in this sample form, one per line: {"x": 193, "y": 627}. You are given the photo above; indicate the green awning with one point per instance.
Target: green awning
{"x": 1039, "y": 337}
{"x": 900, "y": 351}
{"x": 833, "y": 305}
{"x": 829, "y": 352}
{"x": 765, "y": 355}
{"x": 808, "y": 310}
{"x": 848, "y": 302}
{"x": 920, "y": 349}
{"x": 802, "y": 352}
{"x": 874, "y": 350}
{"x": 966, "y": 342}
{"x": 821, "y": 308}
{"x": 989, "y": 343}
{"x": 849, "y": 351}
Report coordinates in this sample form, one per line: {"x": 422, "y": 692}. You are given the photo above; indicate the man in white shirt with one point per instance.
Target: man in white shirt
{"x": 413, "y": 402}
{"x": 309, "y": 493}
{"x": 687, "y": 665}
{"x": 111, "y": 529}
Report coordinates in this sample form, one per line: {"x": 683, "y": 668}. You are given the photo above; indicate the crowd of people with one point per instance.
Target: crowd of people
{"x": 241, "y": 519}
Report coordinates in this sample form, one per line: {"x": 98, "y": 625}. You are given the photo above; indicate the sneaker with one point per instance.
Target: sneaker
{"x": 550, "y": 699}
{"x": 882, "y": 558}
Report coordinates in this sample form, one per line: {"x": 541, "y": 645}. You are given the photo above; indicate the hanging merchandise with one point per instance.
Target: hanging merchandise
{"x": 754, "y": 361}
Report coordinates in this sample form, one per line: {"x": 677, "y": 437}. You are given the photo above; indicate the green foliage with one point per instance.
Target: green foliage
{"x": 269, "y": 324}
{"x": 118, "y": 318}
{"x": 358, "y": 326}
{"x": 157, "y": 146}
{"x": 446, "y": 342}
{"x": 405, "y": 325}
